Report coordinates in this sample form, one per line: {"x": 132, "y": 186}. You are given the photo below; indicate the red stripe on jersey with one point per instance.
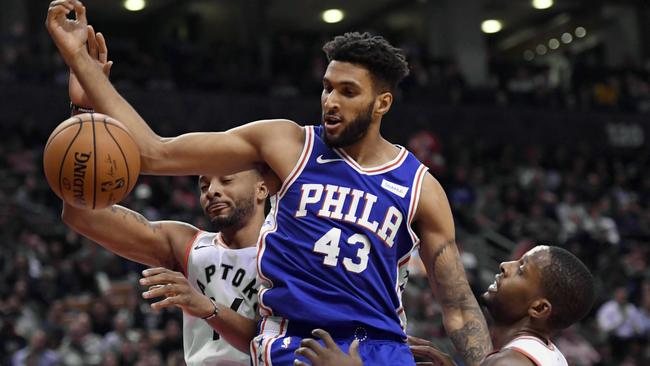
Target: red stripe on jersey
{"x": 188, "y": 248}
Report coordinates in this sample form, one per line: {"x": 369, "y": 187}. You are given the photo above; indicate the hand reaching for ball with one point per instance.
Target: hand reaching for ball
{"x": 99, "y": 52}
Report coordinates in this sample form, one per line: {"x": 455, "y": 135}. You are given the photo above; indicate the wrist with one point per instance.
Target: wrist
{"x": 78, "y": 109}
{"x": 214, "y": 311}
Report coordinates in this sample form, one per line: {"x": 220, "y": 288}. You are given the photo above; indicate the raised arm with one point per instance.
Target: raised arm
{"x": 462, "y": 317}
{"x": 275, "y": 142}
{"x": 130, "y": 235}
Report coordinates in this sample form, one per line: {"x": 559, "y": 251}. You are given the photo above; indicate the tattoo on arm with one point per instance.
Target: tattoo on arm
{"x": 472, "y": 340}
{"x": 442, "y": 248}
{"x": 138, "y": 217}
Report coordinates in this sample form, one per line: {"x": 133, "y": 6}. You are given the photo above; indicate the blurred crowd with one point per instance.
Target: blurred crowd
{"x": 294, "y": 66}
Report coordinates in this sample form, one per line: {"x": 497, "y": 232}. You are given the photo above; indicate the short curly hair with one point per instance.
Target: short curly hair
{"x": 569, "y": 287}
{"x": 387, "y": 64}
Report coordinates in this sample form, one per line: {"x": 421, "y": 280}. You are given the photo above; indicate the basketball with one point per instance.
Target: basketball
{"x": 91, "y": 161}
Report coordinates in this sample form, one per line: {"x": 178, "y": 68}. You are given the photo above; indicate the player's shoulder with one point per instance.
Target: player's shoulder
{"x": 507, "y": 357}
{"x": 273, "y": 131}
{"x": 432, "y": 190}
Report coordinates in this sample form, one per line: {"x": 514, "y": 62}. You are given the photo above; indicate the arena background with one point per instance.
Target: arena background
{"x": 536, "y": 132}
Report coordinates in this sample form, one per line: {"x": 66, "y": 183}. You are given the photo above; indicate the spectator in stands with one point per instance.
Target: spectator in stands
{"x": 36, "y": 353}
{"x": 621, "y": 322}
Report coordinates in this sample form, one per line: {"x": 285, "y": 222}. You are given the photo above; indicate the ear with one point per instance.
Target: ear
{"x": 383, "y": 101}
{"x": 540, "y": 309}
{"x": 262, "y": 192}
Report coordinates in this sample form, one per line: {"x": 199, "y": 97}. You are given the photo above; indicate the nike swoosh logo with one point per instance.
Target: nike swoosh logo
{"x": 321, "y": 160}
{"x": 202, "y": 246}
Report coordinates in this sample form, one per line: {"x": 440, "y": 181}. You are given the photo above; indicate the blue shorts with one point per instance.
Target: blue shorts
{"x": 277, "y": 341}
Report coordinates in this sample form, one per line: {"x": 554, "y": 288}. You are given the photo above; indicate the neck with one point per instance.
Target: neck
{"x": 245, "y": 236}
{"x": 372, "y": 149}
{"x": 504, "y": 333}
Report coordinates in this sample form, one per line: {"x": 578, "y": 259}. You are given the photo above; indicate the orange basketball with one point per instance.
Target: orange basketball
{"x": 91, "y": 161}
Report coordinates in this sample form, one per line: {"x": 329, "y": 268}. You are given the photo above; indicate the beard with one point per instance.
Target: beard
{"x": 243, "y": 209}
{"x": 353, "y": 132}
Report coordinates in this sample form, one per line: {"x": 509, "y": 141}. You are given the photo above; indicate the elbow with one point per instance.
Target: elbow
{"x": 70, "y": 216}
{"x": 65, "y": 214}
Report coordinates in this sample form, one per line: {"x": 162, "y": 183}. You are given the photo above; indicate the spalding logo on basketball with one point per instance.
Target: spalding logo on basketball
{"x": 91, "y": 161}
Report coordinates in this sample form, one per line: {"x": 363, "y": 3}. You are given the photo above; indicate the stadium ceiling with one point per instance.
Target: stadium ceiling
{"x": 523, "y": 25}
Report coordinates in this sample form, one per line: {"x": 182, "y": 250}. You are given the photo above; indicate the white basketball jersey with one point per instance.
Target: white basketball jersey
{"x": 537, "y": 351}
{"x": 228, "y": 276}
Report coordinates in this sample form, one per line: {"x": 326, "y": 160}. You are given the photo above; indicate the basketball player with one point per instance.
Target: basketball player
{"x": 204, "y": 273}
{"x": 545, "y": 291}
{"x": 351, "y": 206}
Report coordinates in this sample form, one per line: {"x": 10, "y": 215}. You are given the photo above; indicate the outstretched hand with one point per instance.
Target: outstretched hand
{"x": 330, "y": 355}
{"x": 176, "y": 290}
{"x": 69, "y": 35}
{"x": 425, "y": 350}
{"x": 99, "y": 52}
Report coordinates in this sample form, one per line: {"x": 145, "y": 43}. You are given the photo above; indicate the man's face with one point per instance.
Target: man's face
{"x": 517, "y": 286}
{"x": 347, "y": 103}
{"x": 229, "y": 200}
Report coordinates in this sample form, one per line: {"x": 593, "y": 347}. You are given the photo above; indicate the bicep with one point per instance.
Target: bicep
{"x": 435, "y": 227}
{"x": 130, "y": 235}
{"x": 220, "y": 153}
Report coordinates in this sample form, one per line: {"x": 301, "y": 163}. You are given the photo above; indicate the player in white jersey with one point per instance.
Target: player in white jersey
{"x": 547, "y": 290}
{"x": 203, "y": 273}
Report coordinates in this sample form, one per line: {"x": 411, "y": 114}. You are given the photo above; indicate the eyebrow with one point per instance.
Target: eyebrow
{"x": 344, "y": 82}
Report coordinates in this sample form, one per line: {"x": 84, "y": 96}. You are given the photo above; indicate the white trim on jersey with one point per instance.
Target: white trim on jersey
{"x": 271, "y": 329}
{"x": 540, "y": 353}
{"x": 267, "y": 284}
{"x": 381, "y": 169}
{"x": 415, "y": 200}
{"x": 404, "y": 261}
{"x": 307, "y": 148}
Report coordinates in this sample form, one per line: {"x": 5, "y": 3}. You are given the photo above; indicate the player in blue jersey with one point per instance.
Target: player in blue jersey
{"x": 350, "y": 205}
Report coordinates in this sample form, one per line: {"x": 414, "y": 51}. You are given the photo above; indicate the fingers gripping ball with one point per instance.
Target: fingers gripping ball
{"x": 91, "y": 161}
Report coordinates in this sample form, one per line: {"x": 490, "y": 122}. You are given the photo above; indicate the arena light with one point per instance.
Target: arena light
{"x": 541, "y": 49}
{"x": 553, "y": 44}
{"x": 134, "y": 5}
{"x": 333, "y": 16}
{"x": 490, "y": 26}
{"x": 542, "y": 4}
{"x": 580, "y": 32}
{"x": 566, "y": 38}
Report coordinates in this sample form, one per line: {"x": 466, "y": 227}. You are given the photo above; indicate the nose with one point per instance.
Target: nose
{"x": 504, "y": 267}
{"x": 330, "y": 101}
{"x": 214, "y": 190}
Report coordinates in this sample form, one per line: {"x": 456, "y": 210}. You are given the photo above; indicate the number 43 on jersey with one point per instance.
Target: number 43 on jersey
{"x": 328, "y": 245}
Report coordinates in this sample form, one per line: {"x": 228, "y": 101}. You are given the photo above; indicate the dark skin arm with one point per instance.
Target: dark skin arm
{"x": 176, "y": 291}
{"x": 462, "y": 316}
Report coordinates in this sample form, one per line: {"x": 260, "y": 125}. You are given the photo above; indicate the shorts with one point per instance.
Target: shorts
{"x": 277, "y": 340}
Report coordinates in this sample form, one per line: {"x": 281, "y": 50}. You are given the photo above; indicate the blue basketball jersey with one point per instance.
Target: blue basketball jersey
{"x": 337, "y": 254}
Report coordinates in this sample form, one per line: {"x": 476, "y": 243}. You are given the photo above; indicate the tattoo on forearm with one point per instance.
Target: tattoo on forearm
{"x": 472, "y": 340}
{"x": 138, "y": 217}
